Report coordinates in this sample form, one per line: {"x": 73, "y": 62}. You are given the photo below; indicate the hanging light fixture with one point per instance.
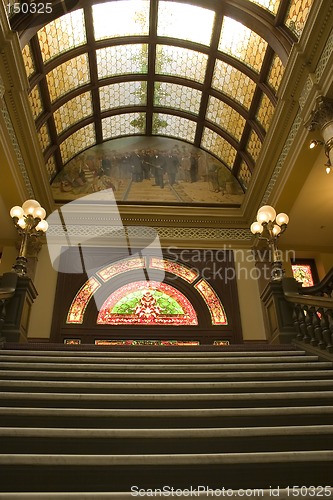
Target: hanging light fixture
{"x": 29, "y": 221}
{"x": 269, "y": 227}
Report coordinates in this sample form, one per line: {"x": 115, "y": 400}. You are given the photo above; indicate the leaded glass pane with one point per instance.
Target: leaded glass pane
{"x": 303, "y": 274}
{"x": 265, "y": 112}
{"x": 225, "y": 117}
{"x": 73, "y": 111}
{"x": 44, "y": 137}
{"x": 275, "y": 73}
{"x": 51, "y": 167}
{"x": 234, "y": 83}
{"x": 36, "y": 102}
{"x": 254, "y": 145}
{"x": 174, "y": 126}
{"x": 297, "y": 15}
{"x": 62, "y": 34}
{"x": 80, "y": 140}
{"x": 171, "y": 95}
{"x": 218, "y": 146}
{"x": 177, "y": 61}
{"x": 213, "y": 302}
{"x": 242, "y": 43}
{"x": 122, "y": 18}
{"x": 188, "y": 22}
{"x": 123, "y": 94}
{"x": 244, "y": 175}
{"x": 28, "y": 61}
{"x": 271, "y": 5}
{"x": 81, "y": 301}
{"x": 122, "y": 60}
{"x": 124, "y": 124}
{"x": 68, "y": 76}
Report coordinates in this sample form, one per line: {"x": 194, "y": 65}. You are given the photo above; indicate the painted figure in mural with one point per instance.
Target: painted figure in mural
{"x": 172, "y": 166}
{"x": 158, "y": 164}
{"x": 194, "y": 167}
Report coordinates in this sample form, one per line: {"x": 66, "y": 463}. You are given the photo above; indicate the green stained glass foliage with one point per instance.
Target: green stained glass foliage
{"x": 127, "y": 305}
{"x": 122, "y": 60}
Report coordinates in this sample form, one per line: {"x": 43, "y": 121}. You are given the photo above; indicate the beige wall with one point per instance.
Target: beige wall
{"x": 249, "y": 297}
{"x": 45, "y": 282}
{"x": 8, "y": 258}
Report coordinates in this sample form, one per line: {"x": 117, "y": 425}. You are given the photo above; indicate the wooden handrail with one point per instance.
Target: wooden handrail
{"x": 309, "y": 300}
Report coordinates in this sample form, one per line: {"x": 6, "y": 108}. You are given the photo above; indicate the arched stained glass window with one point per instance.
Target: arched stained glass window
{"x": 148, "y": 303}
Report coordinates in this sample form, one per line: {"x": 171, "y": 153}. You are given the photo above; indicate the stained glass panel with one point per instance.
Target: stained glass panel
{"x": 213, "y": 302}
{"x": 28, "y": 61}
{"x": 174, "y": 126}
{"x": 35, "y": 102}
{"x": 303, "y": 274}
{"x": 217, "y": 145}
{"x": 68, "y": 76}
{"x": 122, "y": 60}
{"x": 265, "y": 111}
{"x": 147, "y": 303}
{"x": 44, "y": 137}
{"x": 171, "y": 95}
{"x": 62, "y": 34}
{"x": 123, "y": 94}
{"x": 242, "y": 43}
{"x": 81, "y": 300}
{"x": 275, "y": 73}
{"x": 122, "y": 18}
{"x": 197, "y": 27}
{"x": 225, "y": 117}
{"x": 149, "y": 342}
{"x": 254, "y": 145}
{"x": 73, "y": 111}
{"x": 121, "y": 267}
{"x": 177, "y": 61}
{"x": 271, "y": 5}
{"x": 244, "y": 175}
{"x": 169, "y": 266}
{"x": 124, "y": 124}
{"x": 81, "y": 139}
{"x": 297, "y": 15}
{"x": 234, "y": 83}
{"x": 51, "y": 167}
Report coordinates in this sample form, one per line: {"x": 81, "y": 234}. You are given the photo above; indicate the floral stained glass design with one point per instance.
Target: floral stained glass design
{"x": 187, "y": 274}
{"x": 148, "y": 303}
{"x": 123, "y": 94}
{"x": 121, "y": 267}
{"x": 122, "y": 125}
{"x": 81, "y": 300}
{"x": 213, "y": 302}
{"x": 122, "y": 60}
{"x": 149, "y": 342}
{"x": 303, "y": 274}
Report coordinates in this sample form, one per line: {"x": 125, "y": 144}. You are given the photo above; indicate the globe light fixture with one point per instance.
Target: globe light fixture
{"x": 269, "y": 227}
{"x": 30, "y": 223}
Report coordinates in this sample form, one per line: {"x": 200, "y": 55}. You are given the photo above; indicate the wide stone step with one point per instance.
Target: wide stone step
{"x": 161, "y": 367}
{"x": 141, "y": 418}
{"x": 119, "y": 472}
{"x": 162, "y": 441}
{"x": 84, "y": 400}
{"x": 167, "y": 376}
{"x": 162, "y": 387}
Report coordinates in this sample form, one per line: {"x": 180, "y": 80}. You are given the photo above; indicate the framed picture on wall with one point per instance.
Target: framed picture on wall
{"x": 305, "y": 271}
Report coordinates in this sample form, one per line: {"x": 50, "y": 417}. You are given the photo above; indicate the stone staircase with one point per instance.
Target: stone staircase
{"x": 101, "y": 422}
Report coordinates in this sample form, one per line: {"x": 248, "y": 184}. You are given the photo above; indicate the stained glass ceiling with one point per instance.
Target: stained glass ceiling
{"x": 207, "y": 72}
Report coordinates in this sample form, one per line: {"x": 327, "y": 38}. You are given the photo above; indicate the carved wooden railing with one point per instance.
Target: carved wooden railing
{"x": 312, "y": 311}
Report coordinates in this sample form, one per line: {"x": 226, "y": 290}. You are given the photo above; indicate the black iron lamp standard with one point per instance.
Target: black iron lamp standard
{"x": 269, "y": 227}
{"x": 30, "y": 223}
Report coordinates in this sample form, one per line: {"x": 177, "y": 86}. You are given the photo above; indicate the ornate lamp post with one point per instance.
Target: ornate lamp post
{"x": 29, "y": 221}
{"x": 269, "y": 227}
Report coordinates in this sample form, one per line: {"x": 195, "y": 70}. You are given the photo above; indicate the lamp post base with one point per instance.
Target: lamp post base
{"x": 277, "y": 272}
{"x": 20, "y": 266}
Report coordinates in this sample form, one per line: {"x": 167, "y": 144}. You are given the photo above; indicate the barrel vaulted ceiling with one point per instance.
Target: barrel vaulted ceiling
{"x": 204, "y": 71}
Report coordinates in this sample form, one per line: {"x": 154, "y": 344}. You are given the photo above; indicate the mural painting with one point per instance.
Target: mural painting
{"x": 152, "y": 169}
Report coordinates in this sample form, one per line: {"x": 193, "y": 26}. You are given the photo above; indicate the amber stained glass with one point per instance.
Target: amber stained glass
{"x": 271, "y": 5}
{"x": 242, "y": 43}
{"x": 297, "y": 15}
{"x": 44, "y": 137}
{"x": 187, "y": 274}
{"x": 275, "y": 73}
{"x": 171, "y": 95}
{"x": 218, "y": 146}
{"x": 73, "y": 111}
{"x": 62, "y": 34}
{"x": 254, "y": 145}
{"x": 122, "y": 60}
{"x": 244, "y": 175}
{"x": 265, "y": 111}
{"x": 51, "y": 167}
{"x": 174, "y": 126}
{"x": 178, "y": 61}
{"x": 68, "y": 76}
{"x": 118, "y": 95}
{"x": 78, "y": 141}
{"x": 28, "y": 61}
{"x": 233, "y": 83}
{"x": 123, "y": 266}
{"x": 213, "y": 302}
{"x": 81, "y": 301}
{"x": 121, "y": 18}
{"x": 225, "y": 117}
{"x": 123, "y": 124}
{"x": 36, "y": 102}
